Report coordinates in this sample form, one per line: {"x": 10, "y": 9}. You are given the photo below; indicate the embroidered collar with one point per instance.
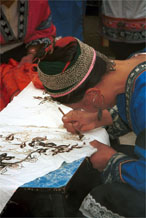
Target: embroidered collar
{"x": 130, "y": 85}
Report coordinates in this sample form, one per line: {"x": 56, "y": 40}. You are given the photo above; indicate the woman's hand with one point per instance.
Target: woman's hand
{"x": 84, "y": 121}
{"x": 26, "y": 59}
{"x": 79, "y": 120}
{"x": 104, "y": 153}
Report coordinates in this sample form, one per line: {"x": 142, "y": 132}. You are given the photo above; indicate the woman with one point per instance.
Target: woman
{"x": 86, "y": 80}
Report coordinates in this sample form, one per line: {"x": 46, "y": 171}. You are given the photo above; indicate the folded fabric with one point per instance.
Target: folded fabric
{"x": 13, "y": 79}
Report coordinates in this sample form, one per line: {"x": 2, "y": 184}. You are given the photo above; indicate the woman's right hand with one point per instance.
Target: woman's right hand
{"x": 79, "y": 120}
{"x": 84, "y": 121}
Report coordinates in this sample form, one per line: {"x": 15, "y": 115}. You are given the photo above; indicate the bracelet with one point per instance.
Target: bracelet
{"x": 99, "y": 114}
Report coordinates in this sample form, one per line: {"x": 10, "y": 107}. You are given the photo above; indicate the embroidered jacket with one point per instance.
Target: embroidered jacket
{"x": 132, "y": 116}
{"x": 34, "y": 24}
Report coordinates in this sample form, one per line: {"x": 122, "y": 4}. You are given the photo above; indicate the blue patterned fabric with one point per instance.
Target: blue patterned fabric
{"x": 134, "y": 172}
{"x": 123, "y": 168}
{"x": 58, "y": 178}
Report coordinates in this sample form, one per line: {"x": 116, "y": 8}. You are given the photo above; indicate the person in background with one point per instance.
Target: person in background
{"x": 123, "y": 25}
{"x": 26, "y": 33}
{"x": 23, "y": 23}
{"x": 91, "y": 84}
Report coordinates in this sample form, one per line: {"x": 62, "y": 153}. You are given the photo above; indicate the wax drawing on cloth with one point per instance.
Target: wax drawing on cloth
{"x": 33, "y": 141}
{"x": 21, "y": 147}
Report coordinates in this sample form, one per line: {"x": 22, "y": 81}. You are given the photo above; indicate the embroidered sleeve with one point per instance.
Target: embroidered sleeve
{"x": 134, "y": 173}
{"x": 45, "y": 41}
{"x": 44, "y": 25}
{"x": 42, "y": 31}
{"x": 122, "y": 168}
{"x": 112, "y": 172}
{"x": 119, "y": 127}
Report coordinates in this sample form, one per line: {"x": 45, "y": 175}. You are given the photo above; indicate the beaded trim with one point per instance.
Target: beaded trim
{"x": 22, "y": 20}
{"x": 5, "y": 27}
{"x": 45, "y": 41}
{"x": 124, "y": 30}
{"x": 71, "y": 77}
{"x": 119, "y": 127}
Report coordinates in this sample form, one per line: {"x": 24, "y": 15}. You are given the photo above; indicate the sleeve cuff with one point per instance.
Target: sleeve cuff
{"x": 112, "y": 172}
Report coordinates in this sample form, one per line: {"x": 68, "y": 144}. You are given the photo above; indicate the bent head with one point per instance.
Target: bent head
{"x": 70, "y": 73}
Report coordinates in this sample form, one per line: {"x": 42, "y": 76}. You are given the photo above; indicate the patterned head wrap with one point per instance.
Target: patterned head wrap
{"x": 60, "y": 80}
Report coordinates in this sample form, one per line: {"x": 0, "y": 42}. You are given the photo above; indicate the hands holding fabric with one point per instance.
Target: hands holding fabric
{"x": 79, "y": 120}
{"x": 100, "y": 158}
{"x": 84, "y": 121}
{"x": 26, "y": 59}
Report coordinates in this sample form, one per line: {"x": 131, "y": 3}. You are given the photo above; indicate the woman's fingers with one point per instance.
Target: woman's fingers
{"x": 88, "y": 127}
{"x": 79, "y": 120}
{"x": 70, "y": 128}
{"x": 71, "y": 117}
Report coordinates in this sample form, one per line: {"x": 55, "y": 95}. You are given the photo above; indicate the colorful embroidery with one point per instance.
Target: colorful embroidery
{"x": 111, "y": 172}
{"x": 5, "y": 27}
{"x": 129, "y": 87}
{"x": 124, "y": 30}
{"x": 46, "y": 42}
{"x": 22, "y": 19}
{"x": 119, "y": 127}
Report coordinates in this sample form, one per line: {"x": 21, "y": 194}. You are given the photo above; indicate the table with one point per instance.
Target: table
{"x": 31, "y": 116}
{"x": 58, "y": 197}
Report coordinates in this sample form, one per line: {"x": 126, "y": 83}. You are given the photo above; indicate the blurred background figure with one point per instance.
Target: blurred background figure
{"x": 68, "y": 17}
{"x": 24, "y": 27}
{"x": 124, "y": 26}
{"x": 26, "y": 33}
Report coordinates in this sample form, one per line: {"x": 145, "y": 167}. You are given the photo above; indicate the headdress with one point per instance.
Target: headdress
{"x": 60, "y": 82}
{"x": 61, "y": 78}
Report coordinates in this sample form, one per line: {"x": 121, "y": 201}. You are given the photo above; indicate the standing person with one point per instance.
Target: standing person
{"x": 91, "y": 84}
{"x": 124, "y": 25}
{"x": 26, "y": 32}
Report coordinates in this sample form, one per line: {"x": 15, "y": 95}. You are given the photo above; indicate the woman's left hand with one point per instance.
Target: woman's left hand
{"x": 26, "y": 59}
{"x": 100, "y": 159}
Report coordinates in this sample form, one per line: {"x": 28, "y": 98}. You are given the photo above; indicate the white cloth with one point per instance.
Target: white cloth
{"x": 27, "y": 117}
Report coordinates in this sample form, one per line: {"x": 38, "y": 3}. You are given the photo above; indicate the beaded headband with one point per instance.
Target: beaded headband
{"x": 65, "y": 82}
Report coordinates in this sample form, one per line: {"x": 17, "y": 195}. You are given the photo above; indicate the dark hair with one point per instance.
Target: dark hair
{"x": 100, "y": 68}
{"x": 63, "y": 54}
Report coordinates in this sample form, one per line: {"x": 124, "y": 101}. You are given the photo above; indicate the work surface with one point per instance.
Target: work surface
{"x": 34, "y": 142}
